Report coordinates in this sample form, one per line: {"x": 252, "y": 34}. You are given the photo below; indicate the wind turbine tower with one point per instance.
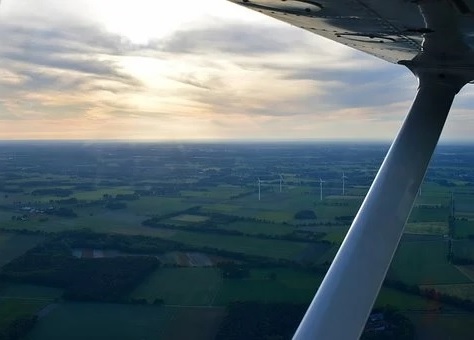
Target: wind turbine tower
{"x": 259, "y": 189}
{"x": 344, "y": 177}
{"x": 321, "y": 189}
{"x": 281, "y": 180}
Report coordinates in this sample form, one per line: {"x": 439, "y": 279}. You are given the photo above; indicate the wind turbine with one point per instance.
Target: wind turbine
{"x": 452, "y": 203}
{"x": 259, "y": 188}
{"x": 321, "y": 189}
{"x": 343, "y": 184}
{"x": 281, "y": 180}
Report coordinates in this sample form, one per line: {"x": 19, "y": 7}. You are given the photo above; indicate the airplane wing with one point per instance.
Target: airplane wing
{"x": 389, "y": 29}
{"x": 434, "y": 39}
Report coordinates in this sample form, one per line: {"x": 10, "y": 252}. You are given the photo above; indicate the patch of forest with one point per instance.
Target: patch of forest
{"x": 100, "y": 279}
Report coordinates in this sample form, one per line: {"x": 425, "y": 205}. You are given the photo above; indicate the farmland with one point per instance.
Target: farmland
{"x": 181, "y": 286}
{"x": 195, "y": 210}
{"x": 425, "y": 262}
{"x": 112, "y": 321}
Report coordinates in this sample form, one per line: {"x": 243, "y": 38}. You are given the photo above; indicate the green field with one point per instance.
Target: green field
{"x": 402, "y": 301}
{"x": 223, "y": 208}
{"x": 150, "y": 206}
{"x": 206, "y": 287}
{"x": 464, "y": 248}
{"x": 433, "y": 194}
{"x": 99, "y": 221}
{"x": 102, "y": 321}
{"x": 464, "y": 228}
{"x": 126, "y": 322}
{"x": 424, "y": 262}
{"x": 253, "y": 228}
{"x": 427, "y": 214}
{"x": 189, "y": 219}
{"x": 289, "y": 285}
{"x": 219, "y": 192}
{"x": 99, "y": 193}
{"x": 181, "y": 286}
{"x": 336, "y": 236}
{"x": 281, "y": 207}
{"x": 247, "y": 245}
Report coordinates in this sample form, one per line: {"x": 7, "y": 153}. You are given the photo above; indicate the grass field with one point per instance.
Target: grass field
{"x": 463, "y": 203}
{"x": 181, "y": 286}
{"x": 336, "y": 236}
{"x": 102, "y": 321}
{"x": 425, "y": 214}
{"x": 316, "y": 253}
{"x": 464, "y": 228}
{"x": 464, "y": 248}
{"x": 299, "y": 287}
{"x": 220, "y": 192}
{"x": 247, "y": 245}
{"x": 330, "y": 212}
{"x": 99, "y": 193}
{"x": 402, "y": 301}
{"x": 289, "y": 285}
{"x": 205, "y": 286}
{"x": 224, "y": 208}
{"x": 252, "y": 228}
{"x": 148, "y": 206}
{"x": 281, "y": 207}
{"x": 190, "y": 218}
{"x": 77, "y": 321}
{"x": 424, "y": 262}
{"x": 96, "y": 220}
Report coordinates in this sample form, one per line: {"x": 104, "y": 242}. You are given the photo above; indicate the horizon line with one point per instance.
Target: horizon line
{"x": 227, "y": 140}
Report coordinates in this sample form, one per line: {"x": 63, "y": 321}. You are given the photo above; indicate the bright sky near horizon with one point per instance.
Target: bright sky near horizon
{"x": 209, "y": 69}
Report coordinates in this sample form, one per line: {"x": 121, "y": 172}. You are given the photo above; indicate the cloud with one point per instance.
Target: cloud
{"x": 80, "y": 49}
{"x": 232, "y": 77}
{"x": 230, "y": 38}
{"x": 59, "y": 72}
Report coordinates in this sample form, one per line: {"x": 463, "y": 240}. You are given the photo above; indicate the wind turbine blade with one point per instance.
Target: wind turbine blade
{"x": 345, "y": 298}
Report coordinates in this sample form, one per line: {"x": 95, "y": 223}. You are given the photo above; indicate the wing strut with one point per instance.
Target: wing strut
{"x": 346, "y": 296}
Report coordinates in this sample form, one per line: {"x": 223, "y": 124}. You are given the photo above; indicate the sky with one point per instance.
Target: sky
{"x": 192, "y": 70}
